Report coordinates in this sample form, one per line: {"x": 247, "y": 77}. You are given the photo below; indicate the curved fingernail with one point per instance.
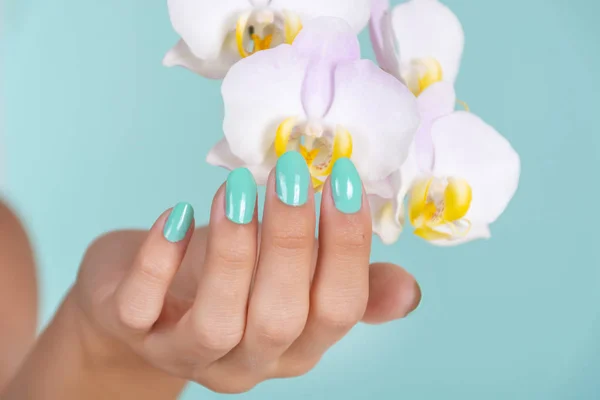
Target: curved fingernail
{"x": 346, "y": 186}
{"x": 292, "y": 179}
{"x": 179, "y": 222}
{"x": 240, "y": 196}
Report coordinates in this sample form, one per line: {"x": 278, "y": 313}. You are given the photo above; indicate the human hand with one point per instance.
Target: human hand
{"x": 235, "y": 303}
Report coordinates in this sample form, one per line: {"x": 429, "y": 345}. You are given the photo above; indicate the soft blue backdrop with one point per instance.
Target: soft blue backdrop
{"x": 100, "y": 136}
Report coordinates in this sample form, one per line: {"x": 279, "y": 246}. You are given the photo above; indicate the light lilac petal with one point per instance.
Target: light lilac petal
{"x": 221, "y": 156}
{"x": 181, "y": 56}
{"x": 436, "y": 101}
{"x": 383, "y": 188}
{"x": 382, "y": 38}
{"x": 327, "y": 39}
{"x": 467, "y": 147}
{"x": 259, "y": 93}
{"x": 317, "y": 88}
{"x": 355, "y": 12}
{"x": 203, "y": 24}
{"x": 380, "y": 113}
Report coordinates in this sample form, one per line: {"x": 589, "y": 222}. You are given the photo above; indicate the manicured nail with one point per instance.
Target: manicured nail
{"x": 346, "y": 186}
{"x": 240, "y": 196}
{"x": 292, "y": 178}
{"x": 179, "y": 222}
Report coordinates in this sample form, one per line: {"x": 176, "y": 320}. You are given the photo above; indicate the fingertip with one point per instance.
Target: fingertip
{"x": 393, "y": 294}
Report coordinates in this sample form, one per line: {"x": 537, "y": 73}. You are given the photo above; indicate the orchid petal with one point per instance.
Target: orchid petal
{"x": 382, "y": 37}
{"x": 379, "y": 112}
{"x": 181, "y": 55}
{"x": 356, "y": 13}
{"x": 259, "y": 93}
{"x": 328, "y": 39}
{"x": 436, "y": 101}
{"x": 427, "y": 28}
{"x": 468, "y": 148}
{"x": 221, "y": 156}
{"x": 327, "y": 42}
{"x": 383, "y": 188}
{"x": 204, "y": 24}
{"x": 388, "y": 218}
{"x": 389, "y": 214}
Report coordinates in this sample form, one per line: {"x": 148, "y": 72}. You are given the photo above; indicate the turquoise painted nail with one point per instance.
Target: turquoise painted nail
{"x": 240, "y": 196}
{"x": 292, "y": 178}
{"x": 346, "y": 186}
{"x": 179, "y": 222}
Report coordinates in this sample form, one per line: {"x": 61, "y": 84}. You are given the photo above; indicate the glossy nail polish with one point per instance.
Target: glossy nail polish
{"x": 292, "y": 179}
{"x": 346, "y": 186}
{"x": 179, "y": 222}
{"x": 240, "y": 196}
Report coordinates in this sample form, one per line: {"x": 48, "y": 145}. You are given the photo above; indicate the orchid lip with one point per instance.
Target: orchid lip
{"x": 437, "y": 208}
{"x": 320, "y": 147}
{"x": 263, "y": 29}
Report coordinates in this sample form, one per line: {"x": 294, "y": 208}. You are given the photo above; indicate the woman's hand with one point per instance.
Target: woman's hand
{"x": 18, "y": 294}
{"x": 234, "y": 304}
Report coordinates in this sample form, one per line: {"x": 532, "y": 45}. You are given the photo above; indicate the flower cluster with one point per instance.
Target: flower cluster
{"x": 293, "y": 79}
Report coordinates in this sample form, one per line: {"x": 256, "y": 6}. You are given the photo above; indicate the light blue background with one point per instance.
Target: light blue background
{"x": 100, "y": 136}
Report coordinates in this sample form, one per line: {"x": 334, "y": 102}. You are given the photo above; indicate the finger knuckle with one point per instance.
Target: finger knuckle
{"x": 291, "y": 240}
{"x": 353, "y": 239}
{"x": 339, "y": 315}
{"x": 133, "y": 317}
{"x": 153, "y": 271}
{"x": 236, "y": 256}
{"x": 294, "y": 368}
{"x": 279, "y": 332}
{"x": 212, "y": 338}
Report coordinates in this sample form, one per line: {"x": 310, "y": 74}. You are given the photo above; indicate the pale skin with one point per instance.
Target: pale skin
{"x": 229, "y": 306}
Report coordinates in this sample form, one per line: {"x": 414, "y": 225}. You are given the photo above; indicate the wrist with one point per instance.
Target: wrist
{"x": 73, "y": 360}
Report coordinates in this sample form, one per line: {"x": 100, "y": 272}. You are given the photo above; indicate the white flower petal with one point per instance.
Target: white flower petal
{"x": 468, "y": 148}
{"x": 181, "y": 56}
{"x": 221, "y": 156}
{"x": 388, "y": 218}
{"x": 382, "y": 37}
{"x": 436, "y": 101}
{"x": 477, "y": 231}
{"x": 204, "y": 24}
{"x": 356, "y": 13}
{"x": 259, "y": 93}
{"x": 427, "y": 28}
{"x": 383, "y": 188}
{"x": 379, "y": 112}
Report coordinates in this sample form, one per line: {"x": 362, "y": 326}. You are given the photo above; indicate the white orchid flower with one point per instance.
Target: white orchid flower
{"x": 420, "y": 42}
{"x": 215, "y": 34}
{"x": 318, "y": 97}
{"x": 459, "y": 178}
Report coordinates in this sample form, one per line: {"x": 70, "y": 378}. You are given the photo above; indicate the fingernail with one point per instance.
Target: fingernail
{"x": 346, "y": 186}
{"x": 292, "y": 178}
{"x": 179, "y": 222}
{"x": 240, "y": 196}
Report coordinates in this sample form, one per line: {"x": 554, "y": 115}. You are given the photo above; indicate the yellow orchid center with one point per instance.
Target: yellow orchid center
{"x": 423, "y": 72}
{"x": 437, "y": 208}
{"x": 264, "y": 29}
{"x": 320, "y": 147}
